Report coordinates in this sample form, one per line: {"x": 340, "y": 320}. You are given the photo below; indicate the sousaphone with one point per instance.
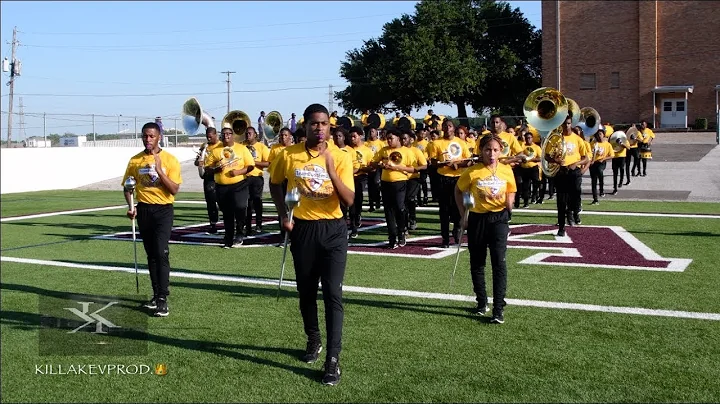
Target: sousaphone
{"x": 238, "y": 121}
{"x": 552, "y": 147}
{"x": 345, "y": 122}
{"x": 406, "y": 123}
{"x": 192, "y": 116}
{"x": 273, "y": 123}
{"x": 617, "y": 140}
{"x": 376, "y": 121}
{"x": 589, "y": 121}
{"x": 545, "y": 109}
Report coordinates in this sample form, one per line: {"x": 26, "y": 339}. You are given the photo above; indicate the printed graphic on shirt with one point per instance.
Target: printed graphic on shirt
{"x": 492, "y": 187}
{"x": 149, "y": 176}
{"x": 313, "y": 182}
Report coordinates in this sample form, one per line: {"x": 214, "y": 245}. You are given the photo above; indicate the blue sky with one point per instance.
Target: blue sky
{"x": 145, "y": 59}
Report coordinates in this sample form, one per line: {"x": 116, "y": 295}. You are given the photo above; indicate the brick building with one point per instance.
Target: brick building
{"x": 634, "y": 60}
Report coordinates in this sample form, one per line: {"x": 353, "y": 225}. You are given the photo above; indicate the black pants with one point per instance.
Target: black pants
{"x": 210, "y": 198}
{"x": 597, "y": 178}
{"x": 233, "y": 200}
{"x": 567, "y": 185}
{"x": 530, "y": 182}
{"x": 155, "y": 225}
{"x": 356, "y": 208}
{"x": 547, "y": 184}
{"x": 448, "y": 208}
{"x": 373, "y": 185}
{"x": 435, "y": 183}
{"x": 394, "y": 204}
{"x": 618, "y": 168}
{"x": 644, "y": 166}
{"x": 411, "y": 199}
{"x": 423, "y": 184}
{"x": 284, "y": 192}
{"x": 255, "y": 188}
{"x": 518, "y": 182}
{"x": 488, "y": 230}
{"x": 319, "y": 250}
{"x": 633, "y": 153}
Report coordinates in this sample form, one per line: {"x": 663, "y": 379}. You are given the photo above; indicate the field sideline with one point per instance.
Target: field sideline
{"x": 582, "y": 325}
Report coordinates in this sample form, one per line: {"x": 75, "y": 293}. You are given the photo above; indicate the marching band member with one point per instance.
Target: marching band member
{"x": 396, "y": 162}
{"x": 492, "y": 186}
{"x": 255, "y": 180}
{"x": 361, "y": 167}
{"x": 428, "y": 119}
{"x": 567, "y": 180}
{"x": 451, "y": 156}
{"x": 634, "y": 155}
{"x": 646, "y": 138}
{"x": 432, "y": 168}
{"x": 530, "y": 170}
{"x": 364, "y": 117}
{"x": 601, "y": 152}
{"x": 375, "y": 144}
{"x": 209, "y": 178}
{"x": 285, "y": 139}
{"x": 413, "y": 184}
{"x": 618, "y": 167}
{"x": 158, "y": 179}
{"x": 333, "y": 119}
{"x": 339, "y": 136}
{"x": 323, "y": 176}
{"x": 421, "y": 143}
{"x": 231, "y": 164}
{"x": 396, "y": 119}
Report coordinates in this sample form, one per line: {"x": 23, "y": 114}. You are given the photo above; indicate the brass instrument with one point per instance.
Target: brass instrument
{"x": 506, "y": 147}
{"x": 192, "y": 116}
{"x": 238, "y": 121}
{"x": 574, "y": 111}
{"x": 396, "y": 158}
{"x": 273, "y": 123}
{"x": 201, "y": 159}
{"x": 228, "y": 154}
{"x": 376, "y": 121}
{"x": 589, "y": 121}
{"x": 545, "y": 109}
{"x": 345, "y": 122}
{"x": 529, "y": 153}
{"x": 632, "y": 134}
{"x": 617, "y": 140}
{"x": 552, "y": 148}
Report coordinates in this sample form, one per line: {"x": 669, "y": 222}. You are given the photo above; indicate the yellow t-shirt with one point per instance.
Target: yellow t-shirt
{"x": 427, "y": 120}
{"x": 575, "y": 147}
{"x": 149, "y": 189}
{"x": 422, "y": 145}
{"x": 419, "y": 160}
{"x": 471, "y": 145}
{"x": 333, "y": 121}
{"x": 242, "y": 159}
{"x": 619, "y": 151}
{"x": 208, "y": 151}
{"x": 308, "y": 172}
{"x": 490, "y": 191}
{"x": 526, "y": 151}
{"x": 259, "y": 152}
{"x": 609, "y": 130}
{"x": 407, "y": 160}
{"x": 363, "y": 119}
{"x": 395, "y": 121}
{"x": 514, "y": 147}
{"x": 375, "y": 145}
{"x": 362, "y": 158}
{"x": 274, "y": 151}
{"x": 646, "y": 135}
{"x": 602, "y": 150}
{"x": 449, "y": 150}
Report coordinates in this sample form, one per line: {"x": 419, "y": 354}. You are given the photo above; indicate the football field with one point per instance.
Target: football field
{"x": 623, "y": 308}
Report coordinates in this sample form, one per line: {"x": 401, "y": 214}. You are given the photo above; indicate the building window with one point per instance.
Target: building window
{"x": 667, "y": 106}
{"x": 587, "y": 81}
{"x": 615, "y": 80}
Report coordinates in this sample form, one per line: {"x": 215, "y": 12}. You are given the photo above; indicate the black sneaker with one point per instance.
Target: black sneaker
{"x": 561, "y": 233}
{"x": 312, "y": 352}
{"x": 525, "y": 206}
{"x": 497, "y": 317}
{"x": 213, "y": 229}
{"x": 237, "y": 242}
{"x": 614, "y": 192}
{"x": 413, "y": 225}
{"x": 332, "y": 372}
{"x": 445, "y": 244}
{"x": 401, "y": 240}
{"x": 151, "y": 304}
{"x": 577, "y": 219}
{"x": 353, "y": 234}
{"x": 595, "y": 202}
{"x": 392, "y": 245}
{"x": 457, "y": 236}
{"x": 258, "y": 229}
{"x": 602, "y": 194}
{"x": 162, "y": 308}
{"x": 480, "y": 310}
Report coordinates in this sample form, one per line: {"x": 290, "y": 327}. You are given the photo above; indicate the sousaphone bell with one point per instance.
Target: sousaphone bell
{"x": 545, "y": 109}
{"x": 238, "y": 121}
{"x": 273, "y": 123}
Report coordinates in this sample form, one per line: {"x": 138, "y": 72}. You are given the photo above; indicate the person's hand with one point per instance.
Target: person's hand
{"x": 329, "y": 162}
{"x": 131, "y": 213}
{"x": 287, "y": 224}
{"x": 158, "y": 162}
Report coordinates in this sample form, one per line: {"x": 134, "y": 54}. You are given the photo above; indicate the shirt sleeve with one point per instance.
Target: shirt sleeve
{"x": 277, "y": 171}
{"x": 344, "y": 170}
{"x": 265, "y": 155}
{"x": 247, "y": 158}
{"x": 128, "y": 172}
{"x": 173, "y": 170}
{"x": 463, "y": 182}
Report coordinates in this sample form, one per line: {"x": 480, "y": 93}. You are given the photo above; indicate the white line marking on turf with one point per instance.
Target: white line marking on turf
{"x": 394, "y": 292}
{"x": 65, "y": 212}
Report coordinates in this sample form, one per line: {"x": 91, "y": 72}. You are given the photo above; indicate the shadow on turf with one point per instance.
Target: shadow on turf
{"x": 32, "y": 321}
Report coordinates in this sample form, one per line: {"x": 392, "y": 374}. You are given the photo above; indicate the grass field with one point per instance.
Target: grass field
{"x": 635, "y": 335}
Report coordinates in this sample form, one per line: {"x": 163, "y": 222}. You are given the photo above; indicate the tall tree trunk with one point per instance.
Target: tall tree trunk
{"x": 462, "y": 112}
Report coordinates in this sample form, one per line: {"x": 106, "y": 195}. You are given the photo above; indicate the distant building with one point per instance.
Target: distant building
{"x": 635, "y": 60}
{"x": 37, "y": 142}
{"x": 73, "y": 141}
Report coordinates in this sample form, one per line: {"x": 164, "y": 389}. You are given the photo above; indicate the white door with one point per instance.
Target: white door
{"x": 673, "y": 113}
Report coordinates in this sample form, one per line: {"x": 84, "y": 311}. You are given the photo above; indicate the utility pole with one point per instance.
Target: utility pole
{"x": 93, "y": 117}
{"x": 228, "y": 89}
{"x": 330, "y": 99}
{"x": 44, "y": 131}
{"x": 14, "y": 71}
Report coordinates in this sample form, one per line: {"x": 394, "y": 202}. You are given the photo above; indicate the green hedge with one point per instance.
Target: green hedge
{"x": 701, "y": 124}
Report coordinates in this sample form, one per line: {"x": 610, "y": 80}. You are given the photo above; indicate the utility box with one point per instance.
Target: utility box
{"x": 6, "y": 65}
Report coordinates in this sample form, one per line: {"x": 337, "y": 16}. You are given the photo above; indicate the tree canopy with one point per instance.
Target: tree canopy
{"x": 476, "y": 52}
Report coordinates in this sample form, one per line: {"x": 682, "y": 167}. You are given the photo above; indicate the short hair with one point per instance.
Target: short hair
{"x": 393, "y": 132}
{"x": 343, "y": 132}
{"x": 489, "y": 138}
{"x": 312, "y": 109}
{"x": 493, "y": 116}
{"x": 151, "y": 125}
{"x": 300, "y": 132}
{"x": 251, "y": 127}
{"x": 356, "y": 129}
{"x": 210, "y": 130}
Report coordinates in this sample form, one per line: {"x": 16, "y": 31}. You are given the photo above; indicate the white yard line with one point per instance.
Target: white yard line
{"x": 419, "y": 208}
{"x": 394, "y": 292}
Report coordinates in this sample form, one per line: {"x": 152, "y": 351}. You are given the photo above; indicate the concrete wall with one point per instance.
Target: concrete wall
{"x": 42, "y": 169}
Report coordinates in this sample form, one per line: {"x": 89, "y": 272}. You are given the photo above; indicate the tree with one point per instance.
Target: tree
{"x": 476, "y": 52}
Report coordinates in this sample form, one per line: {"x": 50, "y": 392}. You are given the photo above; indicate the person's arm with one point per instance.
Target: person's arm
{"x": 171, "y": 186}
{"x": 345, "y": 194}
